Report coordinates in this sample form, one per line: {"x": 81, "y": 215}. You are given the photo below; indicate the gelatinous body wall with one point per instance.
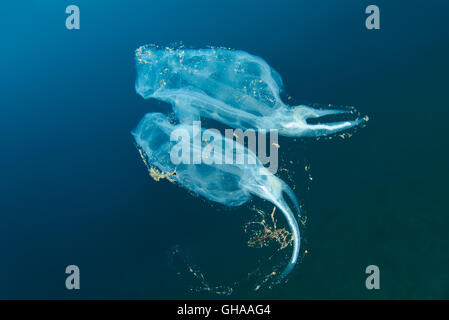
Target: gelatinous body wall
{"x": 237, "y": 89}
{"x": 229, "y": 86}
{"x": 229, "y": 184}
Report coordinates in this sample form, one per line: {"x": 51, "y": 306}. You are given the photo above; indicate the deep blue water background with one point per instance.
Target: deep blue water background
{"x": 74, "y": 191}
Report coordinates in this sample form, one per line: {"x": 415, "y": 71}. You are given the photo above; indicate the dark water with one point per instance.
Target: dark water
{"x": 74, "y": 191}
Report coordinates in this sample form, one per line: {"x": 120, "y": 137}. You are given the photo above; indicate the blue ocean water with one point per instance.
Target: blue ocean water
{"x": 74, "y": 190}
